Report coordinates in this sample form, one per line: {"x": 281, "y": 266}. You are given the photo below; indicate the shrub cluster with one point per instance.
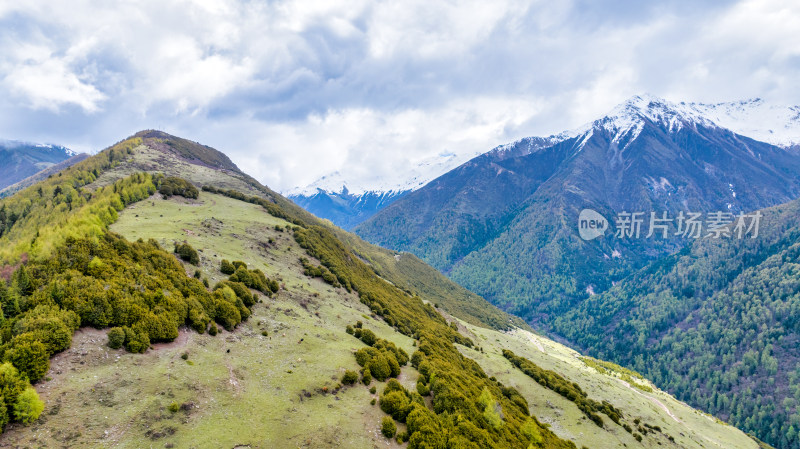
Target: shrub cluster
{"x": 19, "y": 401}
{"x": 570, "y": 390}
{"x": 241, "y": 291}
{"x": 187, "y": 253}
{"x": 397, "y": 402}
{"x": 381, "y": 359}
{"x": 116, "y": 337}
{"x": 226, "y": 267}
{"x": 255, "y": 279}
{"x": 388, "y": 427}
{"x": 628, "y": 375}
{"x": 172, "y": 185}
{"x": 140, "y": 289}
{"x": 317, "y": 271}
{"x": 350, "y": 377}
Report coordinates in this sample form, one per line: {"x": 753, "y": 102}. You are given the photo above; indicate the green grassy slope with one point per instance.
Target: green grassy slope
{"x": 406, "y": 271}
{"x": 276, "y": 389}
{"x": 688, "y": 427}
{"x": 249, "y": 394}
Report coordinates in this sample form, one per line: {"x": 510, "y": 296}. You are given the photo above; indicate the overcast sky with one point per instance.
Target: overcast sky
{"x": 294, "y": 90}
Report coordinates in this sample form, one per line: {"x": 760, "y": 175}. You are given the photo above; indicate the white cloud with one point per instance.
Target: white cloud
{"x": 182, "y": 75}
{"x": 368, "y": 144}
{"x": 45, "y": 80}
{"x": 50, "y": 84}
{"x": 364, "y": 84}
{"x": 430, "y": 30}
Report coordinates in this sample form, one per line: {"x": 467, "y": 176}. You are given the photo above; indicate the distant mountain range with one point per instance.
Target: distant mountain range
{"x": 19, "y": 160}
{"x": 346, "y": 209}
{"x": 348, "y": 199}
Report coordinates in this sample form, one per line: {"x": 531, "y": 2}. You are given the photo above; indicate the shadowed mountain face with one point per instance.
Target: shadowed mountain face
{"x": 505, "y": 224}
{"x": 39, "y": 176}
{"x": 19, "y": 160}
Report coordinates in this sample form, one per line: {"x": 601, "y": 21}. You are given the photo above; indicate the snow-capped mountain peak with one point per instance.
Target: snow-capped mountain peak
{"x": 657, "y": 110}
{"x": 13, "y": 144}
{"x": 49, "y": 146}
{"x": 627, "y": 119}
{"x": 755, "y": 118}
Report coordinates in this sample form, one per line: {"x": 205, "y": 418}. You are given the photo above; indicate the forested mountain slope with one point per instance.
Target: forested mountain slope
{"x": 717, "y": 324}
{"x": 241, "y": 320}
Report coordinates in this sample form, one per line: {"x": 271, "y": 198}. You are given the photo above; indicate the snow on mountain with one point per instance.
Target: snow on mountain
{"x": 625, "y": 122}
{"x": 628, "y": 115}
{"x": 774, "y": 124}
{"x": 13, "y": 144}
{"x": 404, "y": 179}
{"x": 528, "y": 145}
{"x": 19, "y": 160}
{"x": 49, "y": 146}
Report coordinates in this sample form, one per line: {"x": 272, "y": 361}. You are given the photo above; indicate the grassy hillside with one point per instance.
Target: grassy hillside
{"x": 403, "y": 270}
{"x": 277, "y": 378}
{"x": 254, "y": 394}
{"x": 687, "y": 426}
